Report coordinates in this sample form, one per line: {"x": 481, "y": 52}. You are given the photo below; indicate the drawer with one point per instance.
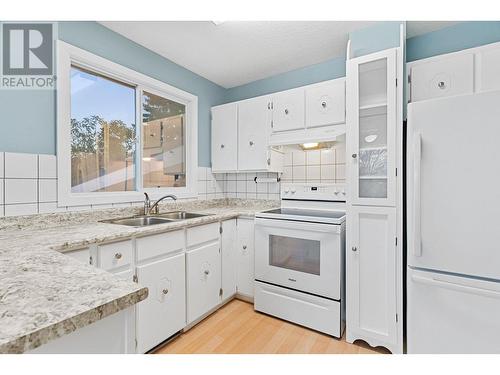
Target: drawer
{"x": 159, "y": 244}
{"x": 202, "y": 233}
{"x": 83, "y": 255}
{"x": 307, "y": 310}
{"x": 115, "y": 255}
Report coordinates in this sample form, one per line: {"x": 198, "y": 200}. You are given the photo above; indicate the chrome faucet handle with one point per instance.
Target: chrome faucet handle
{"x": 147, "y": 204}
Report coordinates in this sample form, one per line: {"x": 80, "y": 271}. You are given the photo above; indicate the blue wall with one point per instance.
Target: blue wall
{"x": 453, "y": 38}
{"x": 28, "y": 117}
{"x": 330, "y": 69}
{"x": 375, "y": 38}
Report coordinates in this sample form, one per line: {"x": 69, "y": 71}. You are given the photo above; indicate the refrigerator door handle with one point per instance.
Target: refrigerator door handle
{"x": 417, "y": 156}
{"x": 457, "y": 287}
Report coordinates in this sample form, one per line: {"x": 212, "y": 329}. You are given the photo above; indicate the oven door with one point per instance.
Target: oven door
{"x": 298, "y": 255}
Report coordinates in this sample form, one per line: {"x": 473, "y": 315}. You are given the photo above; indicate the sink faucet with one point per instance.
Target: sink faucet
{"x": 148, "y": 207}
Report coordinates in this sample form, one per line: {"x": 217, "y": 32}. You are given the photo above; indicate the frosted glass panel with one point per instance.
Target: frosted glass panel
{"x": 373, "y": 129}
{"x": 295, "y": 254}
{"x": 373, "y": 188}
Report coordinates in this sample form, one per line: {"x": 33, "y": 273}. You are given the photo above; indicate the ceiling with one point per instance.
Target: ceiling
{"x": 235, "y": 53}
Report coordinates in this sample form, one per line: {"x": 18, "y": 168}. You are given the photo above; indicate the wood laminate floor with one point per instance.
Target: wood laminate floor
{"x": 237, "y": 329}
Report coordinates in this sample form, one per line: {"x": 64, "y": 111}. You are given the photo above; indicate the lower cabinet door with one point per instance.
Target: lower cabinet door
{"x": 163, "y": 313}
{"x": 245, "y": 257}
{"x": 371, "y": 277}
{"x": 203, "y": 280}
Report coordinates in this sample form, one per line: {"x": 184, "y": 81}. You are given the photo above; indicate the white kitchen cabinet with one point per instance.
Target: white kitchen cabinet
{"x": 203, "y": 279}
{"x": 225, "y": 138}
{"x": 228, "y": 258}
{"x": 254, "y": 128}
{"x": 325, "y": 103}
{"x": 446, "y": 76}
{"x": 371, "y": 276}
{"x": 163, "y": 313}
{"x": 371, "y": 130}
{"x": 245, "y": 257}
{"x": 288, "y": 110}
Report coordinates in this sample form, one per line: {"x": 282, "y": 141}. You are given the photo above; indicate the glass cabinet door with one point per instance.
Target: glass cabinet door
{"x": 372, "y": 130}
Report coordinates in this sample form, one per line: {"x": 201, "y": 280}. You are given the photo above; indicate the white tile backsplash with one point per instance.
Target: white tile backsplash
{"x": 299, "y": 173}
{"x": 328, "y": 156}
{"x": 21, "y": 165}
{"x": 21, "y": 209}
{"x": 47, "y": 166}
{"x": 313, "y": 172}
{"x": 21, "y": 191}
{"x": 47, "y": 190}
{"x": 327, "y": 172}
{"x": 298, "y": 157}
{"x": 313, "y": 157}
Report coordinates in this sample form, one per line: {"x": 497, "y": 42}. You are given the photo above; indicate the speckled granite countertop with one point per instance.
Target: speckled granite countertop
{"x": 45, "y": 294}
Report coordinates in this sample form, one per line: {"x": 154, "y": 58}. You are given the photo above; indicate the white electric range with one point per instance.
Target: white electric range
{"x": 299, "y": 257}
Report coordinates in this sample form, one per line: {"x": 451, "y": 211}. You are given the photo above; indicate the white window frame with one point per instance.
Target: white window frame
{"x": 68, "y": 55}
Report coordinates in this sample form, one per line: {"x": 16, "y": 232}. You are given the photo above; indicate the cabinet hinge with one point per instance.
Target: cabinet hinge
{"x": 135, "y": 279}
{"x": 220, "y": 229}
{"x": 396, "y": 241}
{"x": 91, "y": 260}
{"x": 396, "y": 172}
{"x": 409, "y": 78}
{"x": 397, "y": 318}
{"x": 396, "y": 82}
{"x": 220, "y": 292}
{"x": 272, "y": 124}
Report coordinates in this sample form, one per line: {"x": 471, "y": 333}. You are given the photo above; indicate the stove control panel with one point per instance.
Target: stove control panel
{"x": 311, "y": 191}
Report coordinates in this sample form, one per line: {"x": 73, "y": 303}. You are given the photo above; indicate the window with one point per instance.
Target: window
{"x": 121, "y": 133}
{"x": 102, "y": 133}
{"x": 163, "y": 146}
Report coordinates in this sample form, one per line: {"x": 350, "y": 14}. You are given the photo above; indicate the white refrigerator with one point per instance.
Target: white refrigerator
{"x": 453, "y": 226}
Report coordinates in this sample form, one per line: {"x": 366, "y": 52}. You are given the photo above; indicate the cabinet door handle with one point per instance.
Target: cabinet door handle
{"x": 222, "y": 146}
{"x": 286, "y": 111}
{"x": 354, "y": 156}
{"x": 323, "y": 104}
{"x": 251, "y": 143}
{"x": 442, "y": 85}
{"x": 354, "y": 248}
{"x": 207, "y": 272}
{"x": 165, "y": 291}
{"x": 118, "y": 255}
{"x": 244, "y": 247}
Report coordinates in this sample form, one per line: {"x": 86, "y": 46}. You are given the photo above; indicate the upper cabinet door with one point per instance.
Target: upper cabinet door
{"x": 449, "y": 76}
{"x": 371, "y": 129}
{"x": 225, "y": 137}
{"x": 254, "y": 126}
{"x": 489, "y": 69}
{"x": 288, "y": 110}
{"x": 325, "y": 103}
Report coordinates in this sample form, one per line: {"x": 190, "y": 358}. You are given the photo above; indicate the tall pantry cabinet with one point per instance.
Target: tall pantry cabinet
{"x": 374, "y": 251}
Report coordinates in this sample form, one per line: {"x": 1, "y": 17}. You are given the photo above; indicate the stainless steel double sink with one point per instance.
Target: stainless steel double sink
{"x": 147, "y": 220}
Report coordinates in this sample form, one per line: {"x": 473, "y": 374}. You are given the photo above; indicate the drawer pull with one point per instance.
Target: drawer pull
{"x": 207, "y": 272}
{"x": 244, "y": 247}
{"x": 165, "y": 291}
{"x": 323, "y": 104}
{"x": 118, "y": 255}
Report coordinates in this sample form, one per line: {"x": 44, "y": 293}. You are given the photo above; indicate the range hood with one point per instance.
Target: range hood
{"x": 320, "y": 134}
